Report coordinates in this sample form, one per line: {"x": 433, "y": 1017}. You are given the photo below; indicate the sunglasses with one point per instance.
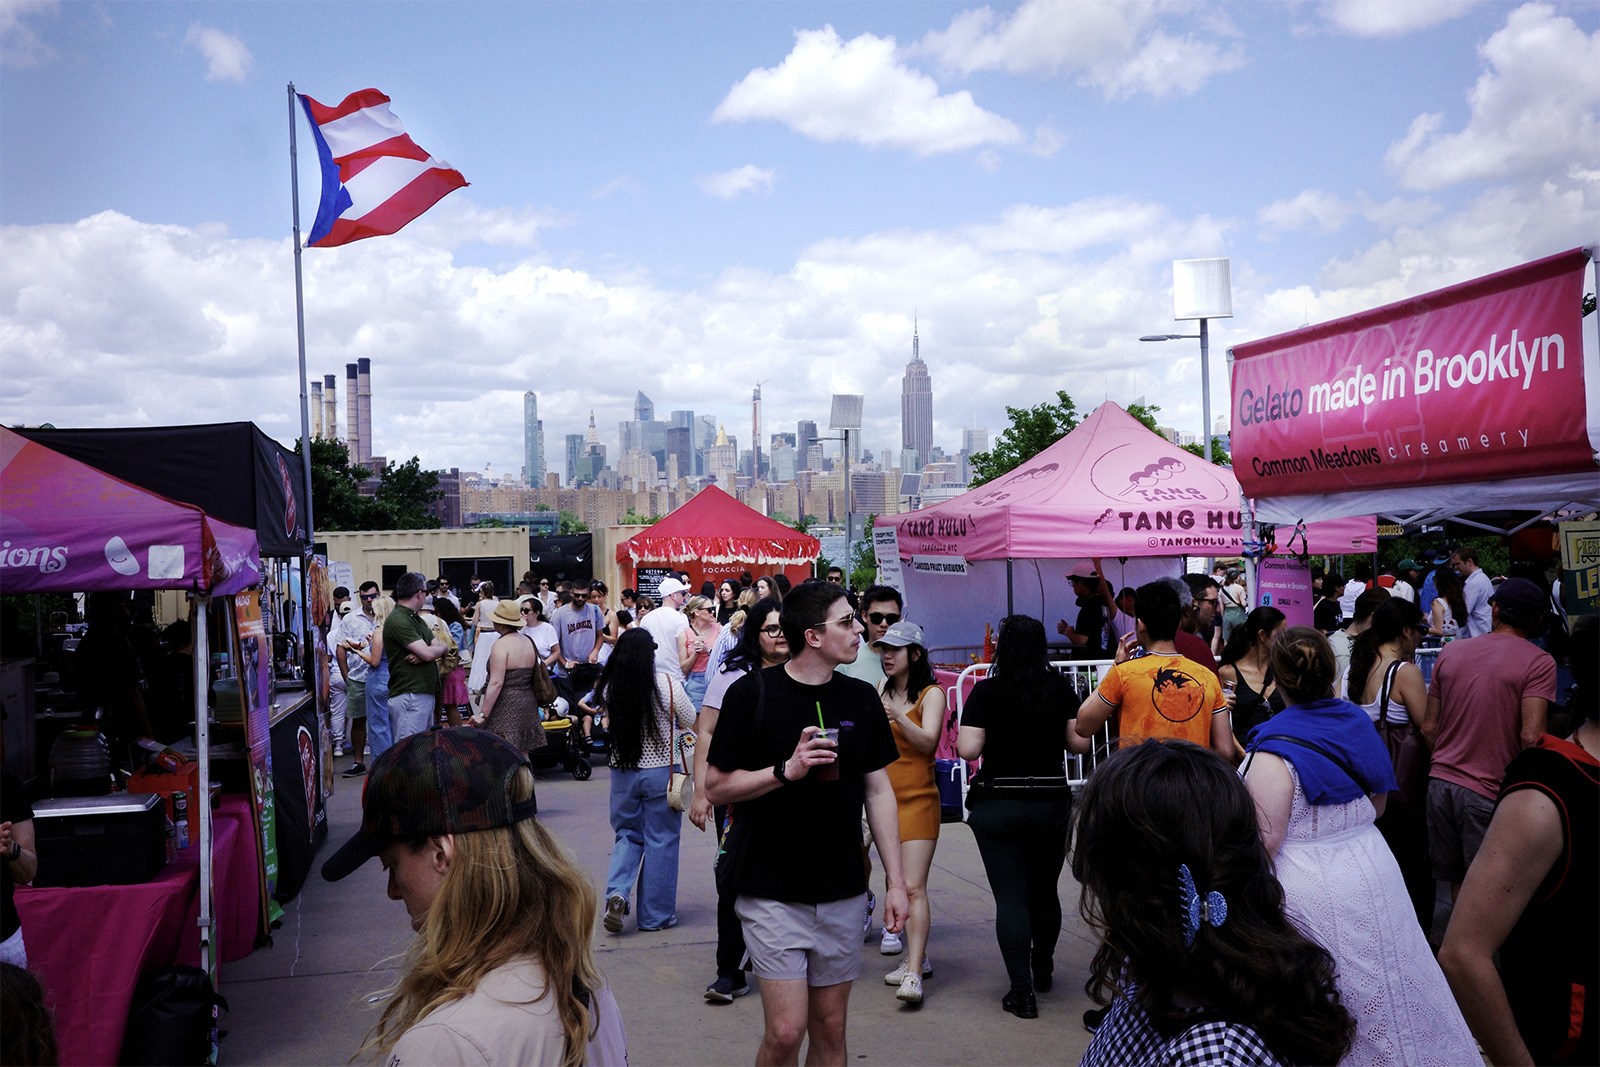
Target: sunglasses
{"x": 369, "y": 596}
{"x": 845, "y": 622}
{"x": 878, "y": 618}
{"x": 524, "y": 611}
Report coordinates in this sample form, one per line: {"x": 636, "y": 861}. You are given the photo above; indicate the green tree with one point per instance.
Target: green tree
{"x": 633, "y": 518}
{"x": 863, "y": 561}
{"x": 1032, "y": 430}
{"x": 399, "y": 501}
{"x": 1146, "y": 413}
{"x": 405, "y": 494}
{"x": 570, "y": 524}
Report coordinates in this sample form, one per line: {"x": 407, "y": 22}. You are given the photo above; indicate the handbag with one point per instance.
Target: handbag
{"x": 1407, "y": 752}
{"x": 680, "y": 786}
{"x": 680, "y": 789}
{"x": 544, "y": 690}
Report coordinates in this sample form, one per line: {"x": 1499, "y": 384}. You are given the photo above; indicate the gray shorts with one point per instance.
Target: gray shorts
{"x": 1457, "y": 820}
{"x": 355, "y": 700}
{"x": 817, "y": 943}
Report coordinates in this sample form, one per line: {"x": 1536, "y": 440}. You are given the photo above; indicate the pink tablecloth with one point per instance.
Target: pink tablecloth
{"x": 947, "y": 680}
{"x": 90, "y": 945}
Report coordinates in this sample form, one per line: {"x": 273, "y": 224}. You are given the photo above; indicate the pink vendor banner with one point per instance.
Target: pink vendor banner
{"x": 1478, "y": 381}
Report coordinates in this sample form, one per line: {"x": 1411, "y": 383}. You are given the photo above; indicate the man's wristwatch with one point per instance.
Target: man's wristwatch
{"x": 777, "y": 772}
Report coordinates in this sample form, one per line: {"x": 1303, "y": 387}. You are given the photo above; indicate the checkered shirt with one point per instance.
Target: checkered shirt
{"x": 1127, "y": 1036}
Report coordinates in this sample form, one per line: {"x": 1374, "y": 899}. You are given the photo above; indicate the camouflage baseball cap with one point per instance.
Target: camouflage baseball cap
{"x": 437, "y": 782}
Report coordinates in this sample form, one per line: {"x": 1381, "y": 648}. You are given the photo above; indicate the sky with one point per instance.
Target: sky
{"x": 691, "y": 198}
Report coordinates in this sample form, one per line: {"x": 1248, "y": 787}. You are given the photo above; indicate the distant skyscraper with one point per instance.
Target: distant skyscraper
{"x": 574, "y": 443}
{"x": 644, "y": 409}
{"x": 532, "y": 440}
{"x": 916, "y": 404}
{"x": 755, "y": 432}
{"x": 810, "y": 455}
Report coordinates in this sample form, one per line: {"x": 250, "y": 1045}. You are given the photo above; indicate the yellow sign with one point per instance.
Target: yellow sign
{"x": 1391, "y": 529}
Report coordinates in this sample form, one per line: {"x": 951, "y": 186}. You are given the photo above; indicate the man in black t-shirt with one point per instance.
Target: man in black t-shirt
{"x": 802, "y": 888}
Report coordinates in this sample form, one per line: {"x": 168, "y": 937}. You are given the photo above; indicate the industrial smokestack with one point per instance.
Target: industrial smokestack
{"x": 330, "y": 405}
{"x": 352, "y": 414}
{"x": 316, "y": 410}
{"x": 364, "y": 389}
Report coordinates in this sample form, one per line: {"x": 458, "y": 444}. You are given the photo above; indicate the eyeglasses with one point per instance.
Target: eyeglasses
{"x": 1213, "y": 601}
{"x": 878, "y": 618}
{"x": 772, "y": 631}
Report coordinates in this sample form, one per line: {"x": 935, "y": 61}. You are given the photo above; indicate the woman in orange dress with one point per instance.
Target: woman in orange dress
{"x": 915, "y": 705}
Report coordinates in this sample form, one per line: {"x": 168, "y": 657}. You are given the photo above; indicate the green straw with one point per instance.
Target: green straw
{"x": 819, "y": 716}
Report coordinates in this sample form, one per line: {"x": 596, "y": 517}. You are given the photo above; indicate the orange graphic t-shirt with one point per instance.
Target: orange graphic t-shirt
{"x": 1163, "y": 695}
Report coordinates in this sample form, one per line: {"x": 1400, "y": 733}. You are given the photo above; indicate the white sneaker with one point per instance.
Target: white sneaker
{"x": 899, "y": 974}
{"x": 866, "y": 928}
{"x": 910, "y": 990}
{"x": 891, "y": 945}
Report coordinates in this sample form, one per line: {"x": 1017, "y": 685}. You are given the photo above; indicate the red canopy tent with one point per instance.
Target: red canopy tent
{"x": 713, "y": 537}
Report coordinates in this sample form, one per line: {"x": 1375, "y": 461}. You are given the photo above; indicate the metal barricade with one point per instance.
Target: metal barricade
{"x": 1085, "y": 678}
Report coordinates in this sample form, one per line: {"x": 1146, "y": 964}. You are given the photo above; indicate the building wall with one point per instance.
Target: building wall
{"x": 369, "y": 551}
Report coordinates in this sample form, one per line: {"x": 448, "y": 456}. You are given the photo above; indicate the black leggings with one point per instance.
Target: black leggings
{"x": 1023, "y": 841}
{"x": 730, "y": 935}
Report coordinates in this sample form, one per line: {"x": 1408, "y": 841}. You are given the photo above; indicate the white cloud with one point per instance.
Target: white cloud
{"x": 857, "y": 90}
{"x": 21, "y": 47}
{"x": 622, "y": 184}
{"x": 227, "y": 59}
{"x": 1318, "y": 211}
{"x": 1390, "y": 18}
{"x": 1536, "y": 110}
{"x": 1115, "y": 46}
{"x": 731, "y": 184}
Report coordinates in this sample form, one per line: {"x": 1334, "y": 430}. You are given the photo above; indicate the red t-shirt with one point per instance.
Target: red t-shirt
{"x": 1480, "y": 683}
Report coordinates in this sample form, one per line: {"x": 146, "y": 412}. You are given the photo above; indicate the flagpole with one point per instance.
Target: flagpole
{"x": 300, "y": 325}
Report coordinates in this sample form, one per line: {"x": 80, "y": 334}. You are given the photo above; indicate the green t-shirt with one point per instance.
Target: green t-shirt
{"x": 402, "y": 627}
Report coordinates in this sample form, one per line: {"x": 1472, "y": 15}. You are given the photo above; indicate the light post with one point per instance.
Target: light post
{"x": 1201, "y": 289}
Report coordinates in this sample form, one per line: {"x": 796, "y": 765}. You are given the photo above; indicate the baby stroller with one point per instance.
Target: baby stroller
{"x": 560, "y": 750}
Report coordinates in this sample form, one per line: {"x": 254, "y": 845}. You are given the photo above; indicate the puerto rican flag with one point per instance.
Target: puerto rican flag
{"x": 375, "y": 179}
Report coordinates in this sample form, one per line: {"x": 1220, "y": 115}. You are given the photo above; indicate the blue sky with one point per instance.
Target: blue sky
{"x": 685, "y": 198}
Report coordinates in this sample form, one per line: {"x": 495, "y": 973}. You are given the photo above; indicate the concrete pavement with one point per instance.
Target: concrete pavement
{"x": 308, "y": 999}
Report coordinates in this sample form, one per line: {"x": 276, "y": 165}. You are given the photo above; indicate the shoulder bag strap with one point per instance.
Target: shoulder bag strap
{"x": 1383, "y": 692}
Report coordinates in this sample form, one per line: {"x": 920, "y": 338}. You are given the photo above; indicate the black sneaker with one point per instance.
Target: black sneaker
{"x": 1093, "y": 1018}
{"x": 356, "y": 771}
{"x": 616, "y": 908}
{"x": 724, "y": 990}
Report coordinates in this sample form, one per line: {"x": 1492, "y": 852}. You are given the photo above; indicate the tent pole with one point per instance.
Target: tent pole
{"x": 1011, "y": 608}
{"x": 202, "y": 803}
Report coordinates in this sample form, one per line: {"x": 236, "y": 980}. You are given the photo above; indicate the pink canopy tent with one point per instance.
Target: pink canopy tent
{"x": 67, "y": 527}
{"x": 1109, "y": 490}
{"x": 71, "y": 528}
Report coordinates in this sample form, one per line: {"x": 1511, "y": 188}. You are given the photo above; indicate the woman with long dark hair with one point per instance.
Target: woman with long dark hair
{"x": 642, "y": 705}
{"x": 1385, "y": 683}
{"x": 1450, "y": 606}
{"x": 1247, "y": 670}
{"x": 761, "y": 644}
{"x": 727, "y": 600}
{"x": 1320, "y": 774}
{"x": 453, "y": 696}
{"x": 1020, "y": 721}
{"x": 915, "y": 705}
{"x": 1197, "y": 958}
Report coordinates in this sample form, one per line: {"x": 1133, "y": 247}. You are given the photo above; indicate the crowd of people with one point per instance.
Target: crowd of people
{"x": 1259, "y": 847}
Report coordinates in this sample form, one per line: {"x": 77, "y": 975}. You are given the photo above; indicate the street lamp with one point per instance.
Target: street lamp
{"x": 1201, "y": 289}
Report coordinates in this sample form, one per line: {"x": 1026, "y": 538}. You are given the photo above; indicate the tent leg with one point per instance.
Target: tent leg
{"x": 202, "y": 803}
{"x": 1011, "y": 607}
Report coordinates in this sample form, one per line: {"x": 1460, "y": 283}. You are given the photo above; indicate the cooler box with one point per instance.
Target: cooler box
{"x": 115, "y": 840}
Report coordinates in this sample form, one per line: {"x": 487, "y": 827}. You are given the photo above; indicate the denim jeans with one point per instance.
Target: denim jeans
{"x": 410, "y": 713}
{"x": 646, "y": 848}
{"x": 695, "y": 685}
{"x": 379, "y": 734}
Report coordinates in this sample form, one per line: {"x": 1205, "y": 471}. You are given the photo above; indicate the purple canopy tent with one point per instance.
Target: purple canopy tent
{"x": 67, "y": 527}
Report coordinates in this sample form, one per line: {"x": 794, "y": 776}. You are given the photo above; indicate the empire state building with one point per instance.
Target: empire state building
{"x": 916, "y": 405}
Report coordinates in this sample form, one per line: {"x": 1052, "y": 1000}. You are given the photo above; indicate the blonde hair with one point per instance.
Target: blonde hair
{"x": 510, "y": 892}
{"x": 696, "y": 603}
{"x": 747, "y": 597}
{"x": 381, "y": 608}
